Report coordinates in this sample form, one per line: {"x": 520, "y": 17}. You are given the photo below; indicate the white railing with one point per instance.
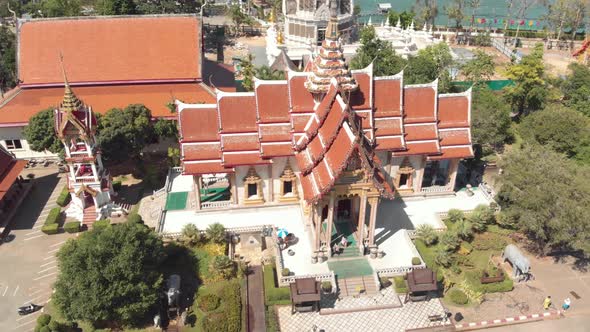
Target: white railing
{"x": 412, "y": 232}
{"x": 487, "y": 191}
{"x": 435, "y": 189}
{"x": 215, "y": 205}
{"x": 250, "y": 229}
{"x": 285, "y": 281}
{"x": 506, "y": 50}
{"x": 397, "y": 271}
{"x": 159, "y": 192}
{"x": 161, "y": 220}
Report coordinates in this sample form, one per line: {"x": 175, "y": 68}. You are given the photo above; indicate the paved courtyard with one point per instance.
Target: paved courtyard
{"x": 409, "y": 316}
{"x": 28, "y": 261}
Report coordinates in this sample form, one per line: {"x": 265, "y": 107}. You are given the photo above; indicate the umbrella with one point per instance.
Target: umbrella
{"x": 282, "y": 232}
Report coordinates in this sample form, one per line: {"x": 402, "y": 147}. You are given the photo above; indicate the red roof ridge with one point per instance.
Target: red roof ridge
{"x": 9, "y": 95}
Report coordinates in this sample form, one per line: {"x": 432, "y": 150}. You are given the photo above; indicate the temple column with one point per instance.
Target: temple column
{"x": 317, "y": 219}
{"x": 420, "y": 175}
{"x": 271, "y": 184}
{"x": 197, "y": 180}
{"x": 330, "y": 222}
{"x": 374, "y": 201}
{"x": 361, "y": 222}
{"x": 454, "y": 166}
{"x": 234, "y": 188}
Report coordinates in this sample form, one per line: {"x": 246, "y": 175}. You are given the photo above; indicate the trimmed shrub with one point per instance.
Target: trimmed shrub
{"x": 233, "y": 306}
{"x": 285, "y": 272}
{"x": 272, "y": 294}
{"x": 400, "y": 285}
{"x": 64, "y": 197}
{"x": 44, "y": 319}
{"x": 53, "y": 216}
{"x": 455, "y": 215}
{"x": 208, "y": 302}
{"x": 327, "y": 286}
{"x": 458, "y": 297}
{"x": 117, "y": 185}
{"x": 134, "y": 218}
{"x": 473, "y": 278}
{"x": 464, "y": 229}
{"x": 385, "y": 282}
{"x": 45, "y": 329}
{"x": 50, "y": 229}
{"x": 101, "y": 224}
{"x": 54, "y": 325}
{"x": 427, "y": 234}
{"x": 223, "y": 266}
{"x": 216, "y": 232}
{"x": 272, "y": 321}
{"x": 72, "y": 227}
{"x": 416, "y": 261}
{"x": 450, "y": 241}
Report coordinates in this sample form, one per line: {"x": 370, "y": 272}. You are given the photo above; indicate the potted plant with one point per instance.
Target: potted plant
{"x": 416, "y": 261}
{"x": 285, "y": 272}
{"x": 327, "y": 287}
{"x": 314, "y": 258}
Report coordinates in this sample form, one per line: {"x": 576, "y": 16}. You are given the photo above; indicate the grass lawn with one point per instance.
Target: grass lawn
{"x": 469, "y": 266}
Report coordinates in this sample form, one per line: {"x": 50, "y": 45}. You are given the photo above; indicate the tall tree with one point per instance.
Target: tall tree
{"x": 238, "y": 17}
{"x": 247, "y": 72}
{"x": 110, "y": 275}
{"x": 431, "y": 63}
{"x": 546, "y": 196}
{"x": 490, "y": 120}
{"x": 405, "y": 18}
{"x": 427, "y": 10}
{"x": 529, "y": 92}
{"x": 7, "y": 59}
{"x": 561, "y": 129}
{"x": 480, "y": 68}
{"x": 167, "y": 6}
{"x": 267, "y": 73}
{"x": 116, "y": 7}
{"x": 576, "y": 88}
{"x": 40, "y": 133}
{"x": 61, "y": 8}
{"x": 123, "y": 133}
{"x": 556, "y": 16}
{"x": 456, "y": 11}
{"x": 379, "y": 52}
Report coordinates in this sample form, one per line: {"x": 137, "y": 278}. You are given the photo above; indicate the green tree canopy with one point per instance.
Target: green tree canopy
{"x": 456, "y": 11}
{"x": 116, "y": 7}
{"x": 7, "y": 59}
{"x": 576, "y": 88}
{"x": 110, "y": 275}
{"x": 381, "y": 53}
{"x": 40, "y": 133}
{"x": 405, "y": 18}
{"x": 165, "y": 128}
{"x": 431, "y": 63}
{"x": 490, "y": 120}
{"x": 547, "y": 197}
{"x": 529, "y": 92}
{"x": 267, "y": 73}
{"x": 61, "y": 8}
{"x": 247, "y": 71}
{"x": 480, "y": 68}
{"x": 167, "y": 6}
{"x": 123, "y": 133}
{"x": 559, "y": 128}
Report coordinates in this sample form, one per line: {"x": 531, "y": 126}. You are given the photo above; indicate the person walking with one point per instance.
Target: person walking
{"x": 547, "y": 303}
{"x": 566, "y": 303}
{"x": 336, "y": 249}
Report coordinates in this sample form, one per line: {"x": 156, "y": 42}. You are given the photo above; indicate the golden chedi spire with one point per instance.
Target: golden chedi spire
{"x": 70, "y": 102}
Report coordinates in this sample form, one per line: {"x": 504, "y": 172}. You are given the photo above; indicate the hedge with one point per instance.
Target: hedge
{"x": 272, "y": 321}
{"x": 135, "y": 218}
{"x": 53, "y": 216}
{"x": 72, "y": 227}
{"x": 400, "y": 285}
{"x": 473, "y": 278}
{"x": 44, "y": 319}
{"x": 50, "y": 229}
{"x": 208, "y": 302}
{"x": 99, "y": 224}
{"x": 64, "y": 197}
{"x": 458, "y": 297}
{"x": 272, "y": 294}
{"x": 229, "y": 317}
{"x": 117, "y": 185}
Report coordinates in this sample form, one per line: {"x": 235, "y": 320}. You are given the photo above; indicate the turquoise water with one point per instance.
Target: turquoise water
{"x": 488, "y": 10}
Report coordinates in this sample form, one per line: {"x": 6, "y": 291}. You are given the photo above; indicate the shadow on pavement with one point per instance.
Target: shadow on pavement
{"x": 35, "y": 202}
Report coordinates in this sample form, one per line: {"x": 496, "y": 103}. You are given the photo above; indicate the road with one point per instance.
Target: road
{"x": 28, "y": 261}
{"x": 579, "y": 323}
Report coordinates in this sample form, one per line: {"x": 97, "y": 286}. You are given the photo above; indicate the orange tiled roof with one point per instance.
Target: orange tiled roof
{"x": 106, "y": 49}
{"x": 10, "y": 168}
{"x": 19, "y": 107}
{"x": 281, "y": 118}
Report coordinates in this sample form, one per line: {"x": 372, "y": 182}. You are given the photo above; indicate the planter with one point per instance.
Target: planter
{"x": 485, "y": 279}
{"x": 290, "y": 252}
{"x": 380, "y": 254}
{"x": 314, "y": 259}
{"x": 373, "y": 253}
{"x": 321, "y": 257}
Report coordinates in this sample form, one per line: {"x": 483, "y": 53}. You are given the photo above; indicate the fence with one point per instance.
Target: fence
{"x": 507, "y": 50}
{"x": 244, "y": 29}
{"x": 397, "y": 271}
{"x": 215, "y": 205}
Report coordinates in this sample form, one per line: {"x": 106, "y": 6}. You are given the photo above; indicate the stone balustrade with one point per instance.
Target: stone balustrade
{"x": 397, "y": 270}
{"x": 215, "y": 205}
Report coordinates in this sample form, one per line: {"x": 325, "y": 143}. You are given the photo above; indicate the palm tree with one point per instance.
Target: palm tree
{"x": 427, "y": 234}
{"x": 216, "y": 232}
{"x": 191, "y": 235}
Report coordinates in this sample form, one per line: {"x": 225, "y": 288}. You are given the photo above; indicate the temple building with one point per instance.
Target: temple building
{"x": 88, "y": 182}
{"x": 335, "y": 141}
{"x": 113, "y": 61}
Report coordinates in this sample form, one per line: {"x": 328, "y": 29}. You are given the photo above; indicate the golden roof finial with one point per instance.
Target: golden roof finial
{"x": 70, "y": 102}
{"x": 271, "y": 17}
{"x": 280, "y": 38}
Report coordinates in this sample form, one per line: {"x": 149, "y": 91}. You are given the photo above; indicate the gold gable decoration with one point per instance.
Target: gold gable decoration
{"x": 288, "y": 177}
{"x": 253, "y": 179}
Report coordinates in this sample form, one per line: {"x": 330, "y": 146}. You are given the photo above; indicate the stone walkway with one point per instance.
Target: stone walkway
{"x": 387, "y": 297}
{"x": 256, "y": 310}
{"x": 409, "y": 316}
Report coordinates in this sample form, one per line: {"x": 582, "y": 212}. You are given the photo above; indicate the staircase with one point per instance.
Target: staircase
{"x": 122, "y": 206}
{"x": 89, "y": 217}
{"x": 351, "y": 286}
{"x": 347, "y": 253}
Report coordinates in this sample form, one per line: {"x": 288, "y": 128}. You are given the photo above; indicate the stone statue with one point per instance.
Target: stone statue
{"x": 520, "y": 264}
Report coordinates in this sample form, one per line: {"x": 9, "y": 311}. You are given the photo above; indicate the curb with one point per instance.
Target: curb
{"x": 509, "y": 320}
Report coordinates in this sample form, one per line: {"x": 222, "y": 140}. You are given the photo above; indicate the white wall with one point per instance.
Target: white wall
{"x": 25, "y": 152}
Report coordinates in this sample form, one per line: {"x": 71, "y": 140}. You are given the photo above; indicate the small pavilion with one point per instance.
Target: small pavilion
{"x": 305, "y": 295}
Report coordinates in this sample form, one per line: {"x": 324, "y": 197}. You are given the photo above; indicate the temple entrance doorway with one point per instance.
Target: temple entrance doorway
{"x": 88, "y": 200}
{"x": 345, "y": 222}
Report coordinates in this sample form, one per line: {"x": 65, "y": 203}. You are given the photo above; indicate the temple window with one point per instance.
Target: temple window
{"x": 288, "y": 185}
{"x": 253, "y": 188}
{"x": 405, "y": 175}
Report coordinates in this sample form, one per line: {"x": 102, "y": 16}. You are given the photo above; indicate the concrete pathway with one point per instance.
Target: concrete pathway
{"x": 256, "y": 312}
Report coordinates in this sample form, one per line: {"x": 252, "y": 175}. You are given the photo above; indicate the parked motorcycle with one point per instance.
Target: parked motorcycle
{"x": 28, "y": 309}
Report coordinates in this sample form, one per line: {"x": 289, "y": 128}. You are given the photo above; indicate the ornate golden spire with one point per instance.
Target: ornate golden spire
{"x": 70, "y": 102}
{"x": 271, "y": 17}
{"x": 332, "y": 29}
